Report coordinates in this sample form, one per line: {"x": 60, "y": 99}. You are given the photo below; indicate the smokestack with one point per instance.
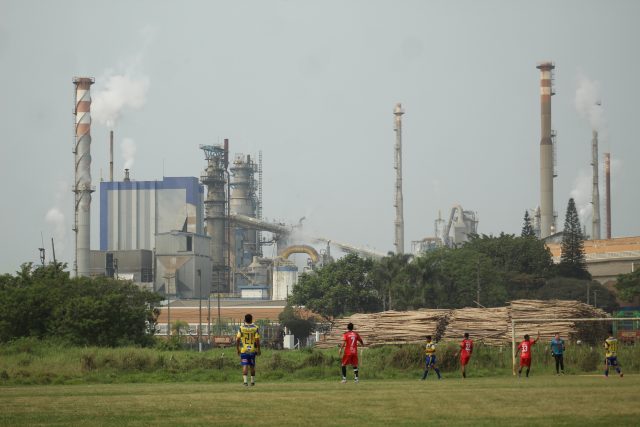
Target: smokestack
{"x": 595, "y": 195}
{"x": 399, "y": 223}
{"x": 82, "y": 186}
{"x": 547, "y": 218}
{"x": 126, "y": 176}
{"x": 607, "y": 191}
{"x": 111, "y": 156}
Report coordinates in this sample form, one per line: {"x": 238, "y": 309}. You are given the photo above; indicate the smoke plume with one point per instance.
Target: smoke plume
{"x": 589, "y": 105}
{"x": 57, "y": 221}
{"x": 581, "y": 194}
{"x": 120, "y": 92}
{"x": 128, "y": 149}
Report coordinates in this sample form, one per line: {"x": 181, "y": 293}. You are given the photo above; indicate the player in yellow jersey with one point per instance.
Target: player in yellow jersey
{"x": 611, "y": 354}
{"x": 430, "y": 358}
{"x": 248, "y": 346}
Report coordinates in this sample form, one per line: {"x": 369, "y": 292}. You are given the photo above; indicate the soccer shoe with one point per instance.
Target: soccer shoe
{"x": 344, "y": 381}
{"x": 252, "y": 384}
{"x": 355, "y": 380}
{"x": 245, "y": 384}
{"x": 621, "y": 375}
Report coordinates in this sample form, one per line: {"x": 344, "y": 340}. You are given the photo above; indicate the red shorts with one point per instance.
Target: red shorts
{"x": 350, "y": 359}
{"x": 525, "y": 362}
{"x": 464, "y": 359}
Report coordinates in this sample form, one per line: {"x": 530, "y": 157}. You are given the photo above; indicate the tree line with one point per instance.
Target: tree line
{"x": 45, "y": 302}
{"x": 487, "y": 271}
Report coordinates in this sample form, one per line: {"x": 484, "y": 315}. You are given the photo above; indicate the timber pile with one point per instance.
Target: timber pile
{"x": 486, "y": 325}
{"x": 557, "y": 309}
{"x": 390, "y": 327}
{"x": 491, "y": 326}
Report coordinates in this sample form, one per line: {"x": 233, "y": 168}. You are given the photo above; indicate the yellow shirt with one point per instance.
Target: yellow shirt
{"x": 611, "y": 347}
{"x": 430, "y": 348}
{"x": 248, "y": 335}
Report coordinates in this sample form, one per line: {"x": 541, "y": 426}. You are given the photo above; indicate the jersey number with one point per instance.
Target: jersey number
{"x": 247, "y": 338}
{"x": 525, "y": 348}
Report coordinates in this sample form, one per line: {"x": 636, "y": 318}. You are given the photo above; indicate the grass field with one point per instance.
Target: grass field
{"x": 539, "y": 400}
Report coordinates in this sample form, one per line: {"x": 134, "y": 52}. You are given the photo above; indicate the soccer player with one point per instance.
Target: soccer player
{"x": 525, "y": 353}
{"x": 430, "y": 358}
{"x": 350, "y": 340}
{"x": 247, "y": 347}
{"x": 466, "y": 348}
{"x": 611, "y": 355}
{"x": 557, "y": 351}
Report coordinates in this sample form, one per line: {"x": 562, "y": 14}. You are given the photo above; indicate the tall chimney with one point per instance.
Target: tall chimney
{"x": 399, "y": 223}
{"x": 111, "y": 156}
{"x": 82, "y": 186}
{"x": 607, "y": 191}
{"x": 547, "y": 218}
{"x": 595, "y": 195}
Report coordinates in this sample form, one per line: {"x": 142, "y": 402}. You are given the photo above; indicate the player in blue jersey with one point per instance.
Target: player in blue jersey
{"x": 557, "y": 351}
{"x": 611, "y": 355}
{"x": 248, "y": 346}
{"x": 430, "y": 360}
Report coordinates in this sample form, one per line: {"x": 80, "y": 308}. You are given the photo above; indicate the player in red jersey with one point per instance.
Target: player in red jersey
{"x": 525, "y": 353}
{"x": 466, "y": 348}
{"x": 350, "y": 340}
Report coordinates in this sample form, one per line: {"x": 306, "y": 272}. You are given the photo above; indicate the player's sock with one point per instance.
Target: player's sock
{"x": 344, "y": 372}
{"x": 437, "y": 372}
{"x": 355, "y": 372}
{"x": 244, "y": 379}
{"x": 426, "y": 372}
{"x": 527, "y": 372}
{"x": 253, "y": 379}
{"x": 618, "y": 370}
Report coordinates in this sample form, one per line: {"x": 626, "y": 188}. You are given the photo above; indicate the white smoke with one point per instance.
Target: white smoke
{"x": 581, "y": 194}
{"x": 588, "y": 102}
{"x": 128, "y": 149}
{"x": 57, "y": 221}
{"x": 120, "y": 92}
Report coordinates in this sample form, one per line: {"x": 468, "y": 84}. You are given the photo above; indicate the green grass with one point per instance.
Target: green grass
{"x": 539, "y": 400}
{"x": 32, "y": 362}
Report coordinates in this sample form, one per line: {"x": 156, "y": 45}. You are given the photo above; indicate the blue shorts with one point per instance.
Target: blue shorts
{"x": 248, "y": 359}
{"x": 430, "y": 360}
{"x": 611, "y": 361}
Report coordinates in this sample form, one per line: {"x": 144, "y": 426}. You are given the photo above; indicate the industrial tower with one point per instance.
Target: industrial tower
{"x": 399, "y": 222}
{"x": 82, "y": 186}
{"x": 595, "y": 195}
{"x": 547, "y": 215}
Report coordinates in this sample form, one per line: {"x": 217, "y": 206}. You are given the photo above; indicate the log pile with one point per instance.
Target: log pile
{"x": 390, "y": 327}
{"x": 487, "y": 325}
{"x": 491, "y": 326}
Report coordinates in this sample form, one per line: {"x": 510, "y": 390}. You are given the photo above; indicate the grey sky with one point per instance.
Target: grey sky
{"x": 313, "y": 85}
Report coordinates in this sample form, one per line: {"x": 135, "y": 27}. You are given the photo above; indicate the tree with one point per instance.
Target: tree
{"x": 572, "y": 259}
{"x": 527, "y": 228}
{"x": 628, "y": 285}
{"x": 301, "y": 328}
{"x": 339, "y": 288}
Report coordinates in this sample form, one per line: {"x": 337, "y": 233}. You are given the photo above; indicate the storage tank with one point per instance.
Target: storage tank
{"x": 285, "y": 277}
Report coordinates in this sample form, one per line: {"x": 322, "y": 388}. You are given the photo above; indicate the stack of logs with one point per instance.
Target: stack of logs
{"x": 491, "y": 326}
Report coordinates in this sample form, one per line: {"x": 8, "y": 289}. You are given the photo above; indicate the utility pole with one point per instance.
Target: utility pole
{"x": 199, "y": 310}
{"x": 478, "y": 282}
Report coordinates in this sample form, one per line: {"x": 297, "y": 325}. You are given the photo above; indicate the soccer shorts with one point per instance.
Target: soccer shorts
{"x": 350, "y": 359}
{"x": 430, "y": 360}
{"x": 525, "y": 362}
{"x": 464, "y": 359}
{"x": 248, "y": 359}
{"x": 611, "y": 361}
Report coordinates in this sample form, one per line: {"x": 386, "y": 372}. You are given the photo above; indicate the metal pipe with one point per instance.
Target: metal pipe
{"x": 547, "y": 218}
{"x": 82, "y": 186}
{"x": 595, "y": 195}
{"x": 399, "y": 222}
{"x": 607, "y": 192}
{"x": 199, "y": 310}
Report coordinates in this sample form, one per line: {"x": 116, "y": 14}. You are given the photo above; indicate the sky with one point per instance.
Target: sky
{"x": 313, "y": 85}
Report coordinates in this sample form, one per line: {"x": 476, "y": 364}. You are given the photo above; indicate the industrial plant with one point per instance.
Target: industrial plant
{"x": 194, "y": 236}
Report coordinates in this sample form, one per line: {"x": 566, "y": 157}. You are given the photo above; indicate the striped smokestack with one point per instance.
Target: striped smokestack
{"x": 82, "y": 186}
{"x": 607, "y": 191}
{"x": 547, "y": 218}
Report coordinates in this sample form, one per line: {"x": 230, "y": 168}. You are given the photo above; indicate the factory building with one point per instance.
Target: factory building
{"x": 135, "y": 265}
{"x": 133, "y": 212}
